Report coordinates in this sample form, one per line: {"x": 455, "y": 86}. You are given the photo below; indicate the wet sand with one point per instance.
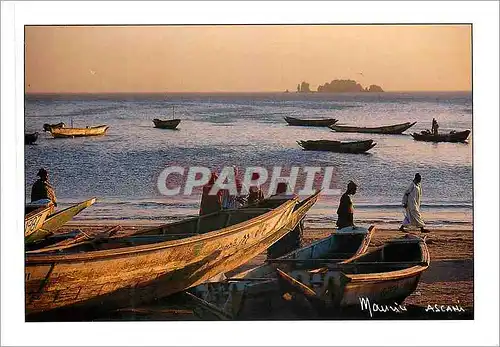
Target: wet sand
{"x": 449, "y": 280}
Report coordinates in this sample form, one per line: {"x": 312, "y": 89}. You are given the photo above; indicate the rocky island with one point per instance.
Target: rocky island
{"x": 340, "y": 86}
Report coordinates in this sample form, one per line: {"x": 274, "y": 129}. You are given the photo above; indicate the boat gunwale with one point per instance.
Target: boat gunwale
{"x": 42, "y": 210}
{"x": 131, "y": 250}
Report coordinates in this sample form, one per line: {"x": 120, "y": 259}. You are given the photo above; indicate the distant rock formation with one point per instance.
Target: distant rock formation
{"x": 340, "y": 86}
{"x": 303, "y": 88}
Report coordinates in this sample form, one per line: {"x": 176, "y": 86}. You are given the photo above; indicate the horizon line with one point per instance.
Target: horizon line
{"x": 244, "y": 92}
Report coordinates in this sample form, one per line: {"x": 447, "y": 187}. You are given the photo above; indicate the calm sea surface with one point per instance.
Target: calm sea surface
{"x": 121, "y": 168}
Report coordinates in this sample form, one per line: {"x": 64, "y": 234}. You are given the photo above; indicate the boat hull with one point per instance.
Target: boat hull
{"x": 460, "y": 136}
{"x": 34, "y": 220}
{"x": 355, "y": 282}
{"x": 93, "y": 281}
{"x": 30, "y": 139}
{"x": 79, "y": 132}
{"x": 310, "y": 122}
{"x": 337, "y": 146}
{"x": 166, "y": 124}
{"x": 390, "y": 129}
{"x": 56, "y": 220}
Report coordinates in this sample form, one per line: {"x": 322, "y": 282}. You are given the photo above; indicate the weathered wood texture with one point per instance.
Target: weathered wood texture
{"x": 34, "y": 220}
{"x": 124, "y": 276}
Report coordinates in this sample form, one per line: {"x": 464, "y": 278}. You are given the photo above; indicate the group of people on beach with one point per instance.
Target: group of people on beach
{"x": 223, "y": 199}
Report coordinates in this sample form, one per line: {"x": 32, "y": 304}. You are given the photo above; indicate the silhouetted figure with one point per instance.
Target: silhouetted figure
{"x": 411, "y": 203}
{"x": 42, "y": 189}
{"x": 255, "y": 193}
{"x": 345, "y": 211}
{"x": 211, "y": 203}
{"x": 435, "y": 126}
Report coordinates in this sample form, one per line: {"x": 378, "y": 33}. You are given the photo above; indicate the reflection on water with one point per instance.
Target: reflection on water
{"x": 248, "y": 130}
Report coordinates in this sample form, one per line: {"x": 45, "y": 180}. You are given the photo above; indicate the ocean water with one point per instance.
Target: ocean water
{"x": 121, "y": 169}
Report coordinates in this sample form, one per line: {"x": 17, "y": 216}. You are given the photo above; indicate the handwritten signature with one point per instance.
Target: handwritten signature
{"x": 372, "y": 307}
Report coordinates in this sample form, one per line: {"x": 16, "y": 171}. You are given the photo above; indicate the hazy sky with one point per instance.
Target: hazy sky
{"x": 245, "y": 58}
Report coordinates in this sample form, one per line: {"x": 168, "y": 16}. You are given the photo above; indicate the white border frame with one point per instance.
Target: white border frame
{"x": 483, "y": 330}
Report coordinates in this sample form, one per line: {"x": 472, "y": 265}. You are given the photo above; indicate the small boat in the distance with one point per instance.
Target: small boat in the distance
{"x": 388, "y": 129}
{"x": 453, "y": 136}
{"x": 337, "y": 146}
{"x": 311, "y": 122}
{"x": 30, "y": 139}
{"x": 78, "y": 132}
{"x": 166, "y": 124}
{"x": 48, "y": 127}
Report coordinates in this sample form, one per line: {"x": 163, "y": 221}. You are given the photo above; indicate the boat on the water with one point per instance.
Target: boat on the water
{"x": 34, "y": 219}
{"x": 31, "y": 138}
{"x": 255, "y": 287}
{"x": 385, "y": 275}
{"x": 166, "y": 124}
{"x": 127, "y": 271}
{"x": 56, "y": 220}
{"x": 337, "y": 146}
{"x": 48, "y": 127}
{"x": 311, "y": 122}
{"x": 78, "y": 132}
{"x": 388, "y": 129}
{"x": 453, "y": 136}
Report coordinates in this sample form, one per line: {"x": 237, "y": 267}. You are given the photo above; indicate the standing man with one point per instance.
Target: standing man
{"x": 345, "y": 211}
{"x": 411, "y": 202}
{"x": 42, "y": 189}
{"x": 435, "y": 126}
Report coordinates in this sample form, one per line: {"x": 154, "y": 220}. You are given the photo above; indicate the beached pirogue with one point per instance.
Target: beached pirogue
{"x": 166, "y": 124}
{"x": 52, "y": 221}
{"x": 385, "y": 275}
{"x": 310, "y": 122}
{"x": 387, "y": 129}
{"x": 453, "y": 136}
{"x": 124, "y": 271}
{"x": 337, "y": 146}
{"x": 78, "y": 132}
{"x": 254, "y": 288}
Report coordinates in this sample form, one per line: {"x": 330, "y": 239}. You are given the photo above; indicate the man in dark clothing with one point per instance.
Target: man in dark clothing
{"x": 42, "y": 189}
{"x": 345, "y": 211}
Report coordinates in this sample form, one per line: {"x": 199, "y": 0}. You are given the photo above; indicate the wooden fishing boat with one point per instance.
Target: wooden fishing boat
{"x": 453, "y": 136}
{"x": 337, "y": 146}
{"x": 129, "y": 271}
{"x": 388, "y": 129}
{"x": 166, "y": 124}
{"x": 48, "y": 127}
{"x": 30, "y": 139}
{"x": 78, "y": 132}
{"x": 310, "y": 122}
{"x": 34, "y": 219}
{"x": 56, "y": 220}
{"x": 385, "y": 275}
{"x": 257, "y": 286}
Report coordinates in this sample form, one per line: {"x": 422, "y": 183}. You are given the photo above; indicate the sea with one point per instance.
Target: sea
{"x": 121, "y": 169}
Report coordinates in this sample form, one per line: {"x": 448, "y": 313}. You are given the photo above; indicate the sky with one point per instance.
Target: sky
{"x": 245, "y": 58}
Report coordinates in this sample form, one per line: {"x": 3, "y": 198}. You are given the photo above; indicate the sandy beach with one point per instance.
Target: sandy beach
{"x": 448, "y": 281}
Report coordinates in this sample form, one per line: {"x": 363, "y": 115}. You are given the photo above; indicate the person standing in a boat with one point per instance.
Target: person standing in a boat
{"x": 435, "y": 126}
{"x": 411, "y": 203}
{"x": 211, "y": 202}
{"x": 42, "y": 189}
{"x": 345, "y": 211}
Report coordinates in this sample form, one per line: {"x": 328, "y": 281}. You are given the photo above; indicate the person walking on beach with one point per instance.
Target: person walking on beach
{"x": 411, "y": 202}
{"x": 42, "y": 189}
{"x": 210, "y": 203}
{"x": 345, "y": 211}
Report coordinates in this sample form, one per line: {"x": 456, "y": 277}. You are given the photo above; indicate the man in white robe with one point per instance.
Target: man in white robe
{"x": 411, "y": 202}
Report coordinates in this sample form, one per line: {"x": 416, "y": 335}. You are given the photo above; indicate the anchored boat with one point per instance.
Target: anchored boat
{"x": 388, "y": 129}
{"x": 337, "y": 146}
{"x": 78, "y": 132}
{"x": 453, "y": 136}
{"x": 311, "y": 122}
